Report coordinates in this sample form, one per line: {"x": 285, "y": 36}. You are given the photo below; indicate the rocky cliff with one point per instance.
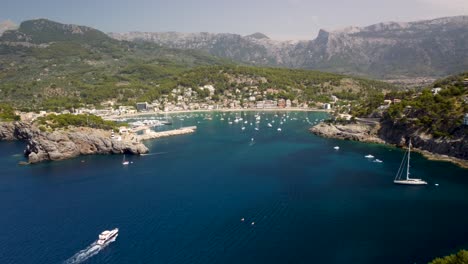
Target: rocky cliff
{"x": 66, "y": 144}
{"x": 451, "y": 149}
{"x": 434, "y": 48}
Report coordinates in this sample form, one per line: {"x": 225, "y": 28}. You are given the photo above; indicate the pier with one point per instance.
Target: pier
{"x": 148, "y": 134}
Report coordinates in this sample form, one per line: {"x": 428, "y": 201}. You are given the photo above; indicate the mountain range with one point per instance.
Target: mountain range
{"x": 429, "y": 48}
{"x": 49, "y": 65}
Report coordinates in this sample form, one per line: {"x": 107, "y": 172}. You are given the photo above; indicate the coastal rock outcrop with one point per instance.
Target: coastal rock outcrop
{"x": 65, "y": 144}
{"x": 356, "y": 132}
{"x": 452, "y": 149}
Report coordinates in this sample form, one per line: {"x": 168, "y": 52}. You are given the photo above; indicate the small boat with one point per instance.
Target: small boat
{"x": 125, "y": 162}
{"x": 399, "y": 177}
{"x": 279, "y": 129}
{"x": 107, "y": 235}
{"x": 243, "y": 128}
{"x": 369, "y": 156}
{"x": 336, "y": 147}
{"x": 256, "y": 128}
{"x": 269, "y": 125}
{"x": 377, "y": 161}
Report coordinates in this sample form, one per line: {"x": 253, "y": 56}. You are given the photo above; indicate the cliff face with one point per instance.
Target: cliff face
{"x": 435, "y": 47}
{"x": 388, "y": 133}
{"x": 455, "y": 147}
{"x": 66, "y": 144}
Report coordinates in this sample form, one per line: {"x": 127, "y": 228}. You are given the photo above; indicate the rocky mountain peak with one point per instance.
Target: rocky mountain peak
{"x": 45, "y": 31}
{"x": 391, "y": 50}
{"x": 258, "y": 35}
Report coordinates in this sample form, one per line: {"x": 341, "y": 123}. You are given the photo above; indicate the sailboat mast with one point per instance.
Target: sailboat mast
{"x": 407, "y": 166}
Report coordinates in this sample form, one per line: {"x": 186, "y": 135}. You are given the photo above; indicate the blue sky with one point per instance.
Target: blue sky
{"x": 287, "y": 19}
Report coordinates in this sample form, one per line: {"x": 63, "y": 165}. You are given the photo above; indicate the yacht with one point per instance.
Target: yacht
{"x": 369, "y": 156}
{"x": 336, "y": 147}
{"x": 107, "y": 235}
{"x": 407, "y": 180}
{"x": 378, "y": 161}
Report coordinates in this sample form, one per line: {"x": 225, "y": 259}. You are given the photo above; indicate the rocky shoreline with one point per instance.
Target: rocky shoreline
{"x": 452, "y": 150}
{"x": 66, "y": 143}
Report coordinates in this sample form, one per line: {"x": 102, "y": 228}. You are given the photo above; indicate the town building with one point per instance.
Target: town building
{"x": 436, "y": 90}
{"x": 142, "y": 107}
{"x": 281, "y": 103}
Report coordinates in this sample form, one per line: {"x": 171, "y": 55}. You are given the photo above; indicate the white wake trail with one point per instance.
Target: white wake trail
{"x": 88, "y": 252}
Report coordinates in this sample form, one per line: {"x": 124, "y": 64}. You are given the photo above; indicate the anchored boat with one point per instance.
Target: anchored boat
{"x": 399, "y": 177}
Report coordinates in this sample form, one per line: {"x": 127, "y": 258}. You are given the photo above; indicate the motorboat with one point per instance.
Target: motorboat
{"x": 107, "y": 235}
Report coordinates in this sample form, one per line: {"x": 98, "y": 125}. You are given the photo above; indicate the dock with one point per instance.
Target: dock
{"x": 148, "y": 134}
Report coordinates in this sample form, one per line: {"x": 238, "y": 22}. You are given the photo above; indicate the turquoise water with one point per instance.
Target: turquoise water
{"x": 184, "y": 202}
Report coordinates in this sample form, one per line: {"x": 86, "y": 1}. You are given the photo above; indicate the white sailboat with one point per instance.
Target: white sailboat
{"x": 399, "y": 177}
{"x": 125, "y": 162}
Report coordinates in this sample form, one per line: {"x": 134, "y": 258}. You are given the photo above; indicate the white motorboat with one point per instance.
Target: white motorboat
{"x": 336, "y": 147}
{"x": 377, "y": 161}
{"x": 107, "y": 235}
{"x": 399, "y": 177}
{"x": 368, "y": 156}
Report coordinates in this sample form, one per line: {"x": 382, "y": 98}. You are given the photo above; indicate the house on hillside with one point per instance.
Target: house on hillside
{"x": 281, "y": 103}
{"x": 436, "y": 90}
{"x": 142, "y": 107}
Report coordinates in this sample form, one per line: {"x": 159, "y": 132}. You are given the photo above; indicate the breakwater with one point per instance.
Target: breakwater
{"x": 149, "y": 134}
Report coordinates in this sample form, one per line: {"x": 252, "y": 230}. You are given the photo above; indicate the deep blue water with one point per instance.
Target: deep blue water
{"x": 184, "y": 202}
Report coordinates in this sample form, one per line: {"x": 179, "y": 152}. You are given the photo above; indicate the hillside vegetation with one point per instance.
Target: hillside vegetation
{"x": 52, "y": 66}
{"x": 438, "y": 113}
{"x": 459, "y": 258}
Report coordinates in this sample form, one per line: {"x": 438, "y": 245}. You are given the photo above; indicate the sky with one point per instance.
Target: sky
{"x": 283, "y": 20}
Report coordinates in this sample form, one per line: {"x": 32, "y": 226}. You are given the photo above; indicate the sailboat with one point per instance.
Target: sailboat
{"x": 125, "y": 162}
{"x": 399, "y": 177}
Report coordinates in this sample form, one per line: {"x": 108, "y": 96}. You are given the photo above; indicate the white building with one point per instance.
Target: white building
{"x": 436, "y": 90}
{"x": 209, "y": 87}
{"x": 327, "y": 106}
